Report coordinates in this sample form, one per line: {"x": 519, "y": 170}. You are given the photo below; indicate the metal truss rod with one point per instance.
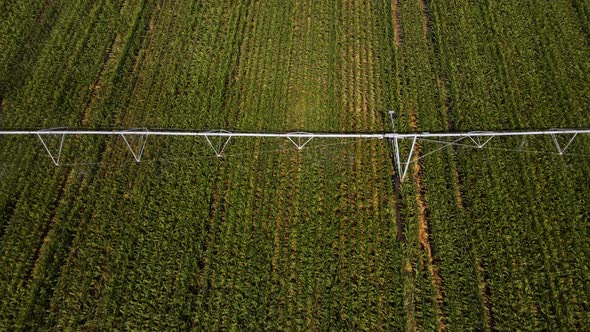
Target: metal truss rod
{"x": 409, "y": 161}
{"x": 198, "y": 133}
{"x": 490, "y": 133}
{"x": 54, "y": 159}
{"x": 486, "y": 134}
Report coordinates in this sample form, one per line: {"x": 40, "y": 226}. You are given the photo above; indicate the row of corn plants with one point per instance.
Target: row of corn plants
{"x": 45, "y": 212}
{"x": 512, "y": 245}
{"x": 34, "y": 212}
{"x": 269, "y": 237}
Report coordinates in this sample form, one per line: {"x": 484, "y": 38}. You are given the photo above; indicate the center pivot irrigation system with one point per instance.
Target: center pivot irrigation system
{"x": 219, "y": 139}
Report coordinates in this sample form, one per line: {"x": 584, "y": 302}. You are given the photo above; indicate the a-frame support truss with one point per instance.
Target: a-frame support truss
{"x": 561, "y": 150}
{"x": 300, "y": 139}
{"x": 136, "y": 148}
{"x": 218, "y": 142}
{"x": 55, "y": 156}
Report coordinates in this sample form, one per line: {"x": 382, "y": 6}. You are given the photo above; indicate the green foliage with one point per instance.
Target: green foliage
{"x": 273, "y": 238}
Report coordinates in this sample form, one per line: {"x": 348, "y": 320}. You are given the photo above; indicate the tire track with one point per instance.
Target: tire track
{"x": 54, "y": 207}
{"x": 425, "y": 19}
{"x": 96, "y": 86}
{"x": 484, "y": 295}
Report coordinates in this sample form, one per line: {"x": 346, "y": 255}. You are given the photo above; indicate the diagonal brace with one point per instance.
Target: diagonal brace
{"x": 143, "y": 139}
{"x": 408, "y": 161}
{"x": 61, "y": 145}
{"x": 478, "y": 142}
{"x": 559, "y": 148}
{"x": 220, "y": 144}
{"x": 301, "y": 139}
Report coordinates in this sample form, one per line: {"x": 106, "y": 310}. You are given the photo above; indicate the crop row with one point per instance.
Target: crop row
{"x": 265, "y": 237}
{"x": 269, "y": 237}
{"x": 501, "y": 240}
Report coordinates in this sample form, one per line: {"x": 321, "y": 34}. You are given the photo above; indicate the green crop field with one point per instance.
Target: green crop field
{"x": 274, "y": 238}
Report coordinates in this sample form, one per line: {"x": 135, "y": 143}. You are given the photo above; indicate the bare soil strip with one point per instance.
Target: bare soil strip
{"x": 484, "y": 295}
{"x": 423, "y": 232}
{"x": 425, "y": 19}
{"x": 64, "y": 185}
{"x": 112, "y": 54}
{"x": 411, "y": 322}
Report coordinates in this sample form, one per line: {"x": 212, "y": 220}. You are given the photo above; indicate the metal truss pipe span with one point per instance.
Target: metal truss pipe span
{"x": 219, "y": 139}
{"x": 224, "y": 133}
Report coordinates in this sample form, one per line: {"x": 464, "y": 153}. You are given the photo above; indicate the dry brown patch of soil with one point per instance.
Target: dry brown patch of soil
{"x": 484, "y": 295}
{"x": 114, "y": 49}
{"x": 425, "y": 20}
{"x": 423, "y": 232}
